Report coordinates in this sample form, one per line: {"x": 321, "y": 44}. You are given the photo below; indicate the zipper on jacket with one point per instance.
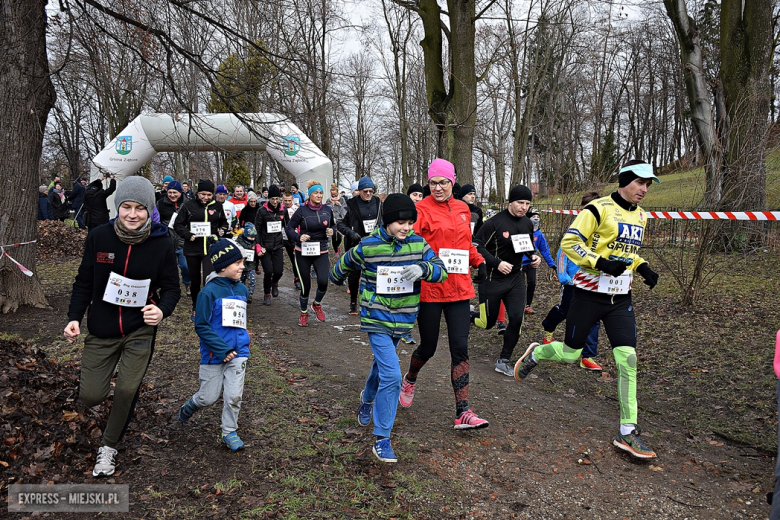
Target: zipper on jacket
{"x": 124, "y": 273}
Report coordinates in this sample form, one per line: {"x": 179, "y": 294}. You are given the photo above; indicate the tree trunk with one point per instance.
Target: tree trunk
{"x": 463, "y": 109}
{"x": 26, "y": 97}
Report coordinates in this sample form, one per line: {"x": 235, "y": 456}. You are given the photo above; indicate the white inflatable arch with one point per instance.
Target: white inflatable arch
{"x": 149, "y": 134}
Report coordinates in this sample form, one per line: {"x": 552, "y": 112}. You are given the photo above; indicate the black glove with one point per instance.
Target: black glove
{"x": 354, "y": 237}
{"x": 611, "y": 267}
{"x": 481, "y": 273}
{"x": 650, "y": 276}
{"x": 338, "y": 282}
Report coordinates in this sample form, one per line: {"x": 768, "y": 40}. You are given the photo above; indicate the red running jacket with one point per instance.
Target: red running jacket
{"x": 447, "y": 225}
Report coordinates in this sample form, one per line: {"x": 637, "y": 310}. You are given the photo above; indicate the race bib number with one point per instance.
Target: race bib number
{"x": 369, "y": 225}
{"x": 173, "y": 219}
{"x": 455, "y": 260}
{"x": 389, "y": 281}
{"x": 228, "y": 214}
{"x": 126, "y": 292}
{"x": 615, "y": 285}
{"x": 310, "y": 248}
{"x": 233, "y": 313}
{"x": 200, "y": 229}
{"x": 239, "y": 207}
{"x": 522, "y": 243}
{"x": 274, "y": 227}
{"x": 248, "y": 254}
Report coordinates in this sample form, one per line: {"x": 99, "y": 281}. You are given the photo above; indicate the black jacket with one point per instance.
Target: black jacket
{"x": 166, "y": 209}
{"x": 96, "y": 210}
{"x": 353, "y": 221}
{"x": 476, "y": 217}
{"x": 494, "y": 242}
{"x": 104, "y": 254}
{"x": 270, "y": 241}
{"x": 77, "y": 194}
{"x": 248, "y": 214}
{"x": 311, "y": 222}
{"x": 194, "y": 211}
{"x": 59, "y": 207}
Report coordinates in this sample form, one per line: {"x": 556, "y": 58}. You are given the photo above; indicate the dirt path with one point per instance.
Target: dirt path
{"x": 547, "y": 453}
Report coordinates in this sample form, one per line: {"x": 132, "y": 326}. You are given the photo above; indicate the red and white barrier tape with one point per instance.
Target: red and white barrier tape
{"x": 20, "y": 243}
{"x": 696, "y": 215}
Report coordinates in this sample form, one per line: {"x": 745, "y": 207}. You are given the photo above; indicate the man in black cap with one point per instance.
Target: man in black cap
{"x": 504, "y": 241}
{"x": 468, "y": 194}
{"x": 415, "y": 193}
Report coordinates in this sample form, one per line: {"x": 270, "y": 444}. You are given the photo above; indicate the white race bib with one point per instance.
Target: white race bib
{"x": 274, "y": 227}
{"x": 239, "y": 207}
{"x": 290, "y": 212}
{"x": 472, "y": 227}
{"x": 228, "y": 214}
{"x": 126, "y": 291}
{"x": 455, "y": 260}
{"x": 310, "y": 248}
{"x": 369, "y": 225}
{"x": 615, "y": 285}
{"x": 173, "y": 219}
{"x": 388, "y": 281}
{"x": 248, "y": 254}
{"x": 200, "y": 229}
{"x": 522, "y": 243}
{"x": 233, "y": 313}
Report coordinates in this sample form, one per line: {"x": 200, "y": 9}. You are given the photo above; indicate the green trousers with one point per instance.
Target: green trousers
{"x": 98, "y": 362}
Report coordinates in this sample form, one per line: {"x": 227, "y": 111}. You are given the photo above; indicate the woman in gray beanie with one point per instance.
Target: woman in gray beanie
{"x": 129, "y": 281}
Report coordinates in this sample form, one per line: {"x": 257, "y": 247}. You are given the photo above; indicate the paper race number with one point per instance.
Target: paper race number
{"x": 310, "y": 248}
{"x": 455, "y": 260}
{"x": 274, "y": 227}
{"x": 248, "y": 254}
{"x": 126, "y": 292}
{"x": 615, "y": 285}
{"x": 200, "y": 229}
{"x": 522, "y": 243}
{"x": 173, "y": 219}
{"x": 389, "y": 281}
{"x": 233, "y": 313}
{"x": 369, "y": 225}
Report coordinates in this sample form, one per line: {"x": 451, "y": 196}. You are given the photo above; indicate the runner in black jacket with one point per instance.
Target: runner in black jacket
{"x": 270, "y": 227}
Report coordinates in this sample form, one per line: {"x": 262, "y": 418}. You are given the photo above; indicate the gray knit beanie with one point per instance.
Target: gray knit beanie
{"x": 135, "y": 189}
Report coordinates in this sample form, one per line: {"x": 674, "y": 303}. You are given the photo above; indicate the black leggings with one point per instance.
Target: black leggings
{"x": 290, "y": 248}
{"x": 530, "y": 275}
{"x": 354, "y": 285}
{"x": 303, "y": 265}
{"x": 456, "y": 315}
{"x": 198, "y": 277}
{"x": 616, "y": 312}
{"x": 273, "y": 268}
{"x": 510, "y": 290}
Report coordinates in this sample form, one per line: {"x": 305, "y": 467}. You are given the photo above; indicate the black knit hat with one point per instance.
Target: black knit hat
{"x": 520, "y": 192}
{"x": 223, "y": 253}
{"x": 414, "y": 188}
{"x": 206, "y": 185}
{"x": 466, "y": 189}
{"x": 274, "y": 191}
{"x": 398, "y": 206}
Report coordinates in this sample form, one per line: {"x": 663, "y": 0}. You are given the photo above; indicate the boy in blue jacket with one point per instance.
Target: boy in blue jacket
{"x": 220, "y": 322}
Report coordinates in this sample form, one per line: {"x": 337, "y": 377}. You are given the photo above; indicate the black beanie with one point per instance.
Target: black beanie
{"x": 520, "y": 192}
{"x": 398, "y": 206}
{"x": 223, "y": 253}
{"x": 274, "y": 191}
{"x": 466, "y": 189}
{"x": 414, "y": 188}
{"x": 206, "y": 185}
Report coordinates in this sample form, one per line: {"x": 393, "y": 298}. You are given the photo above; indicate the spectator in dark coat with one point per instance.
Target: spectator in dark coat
{"x": 57, "y": 199}
{"x": 45, "y": 211}
{"x": 96, "y": 210}
{"x": 77, "y": 200}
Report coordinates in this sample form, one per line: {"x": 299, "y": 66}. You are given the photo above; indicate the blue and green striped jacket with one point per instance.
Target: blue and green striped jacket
{"x": 385, "y": 313}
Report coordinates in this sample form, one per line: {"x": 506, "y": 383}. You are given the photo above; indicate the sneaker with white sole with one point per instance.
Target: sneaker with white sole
{"x": 500, "y": 328}
{"x": 407, "y": 393}
{"x": 318, "y": 313}
{"x": 504, "y": 367}
{"x": 633, "y": 444}
{"x": 589, "y": 364}
{"x": 105, "y": 463}
{"x": 468, "y": 420}
{"x": 384, "y": 451}
{"x": 526, "y": 363}
{"x": 233, "y": 441}
{"x": 365, "y": 411}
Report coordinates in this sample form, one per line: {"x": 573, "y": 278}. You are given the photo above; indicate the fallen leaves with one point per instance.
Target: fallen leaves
{"x": 56, "y": 239}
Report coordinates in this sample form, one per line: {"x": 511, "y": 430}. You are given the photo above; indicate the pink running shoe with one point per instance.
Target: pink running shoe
{"x": 407, "y": 393}
{"x": 469, "y": 420}
{"x": 317, "y": 308}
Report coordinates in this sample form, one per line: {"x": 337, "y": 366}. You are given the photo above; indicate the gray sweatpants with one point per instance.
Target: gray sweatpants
{"x": 227, "y": 379}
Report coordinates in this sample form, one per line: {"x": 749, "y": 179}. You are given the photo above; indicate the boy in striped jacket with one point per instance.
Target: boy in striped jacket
{"x": 393, "y": 260}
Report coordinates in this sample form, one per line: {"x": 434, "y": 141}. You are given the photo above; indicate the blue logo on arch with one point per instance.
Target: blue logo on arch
{"x": 630, "y": 234}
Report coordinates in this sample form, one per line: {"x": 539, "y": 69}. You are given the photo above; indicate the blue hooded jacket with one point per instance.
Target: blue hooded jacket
{"x": 216, "y": 340}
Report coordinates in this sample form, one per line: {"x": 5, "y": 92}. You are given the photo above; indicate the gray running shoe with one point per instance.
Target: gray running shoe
{"x": 503, "y": 366}
{"x": 526, "y": 363}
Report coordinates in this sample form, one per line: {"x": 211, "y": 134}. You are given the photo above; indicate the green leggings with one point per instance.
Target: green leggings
{"x": 625, "y": 359}
{"x": 98, "y": 362}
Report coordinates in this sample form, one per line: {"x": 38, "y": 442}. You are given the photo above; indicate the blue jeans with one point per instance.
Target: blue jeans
{"x": 383, "y": 385}
{"x": 79, "y": 212}
{"x": 592, "y": 343}
{"x": 185, "y": 271}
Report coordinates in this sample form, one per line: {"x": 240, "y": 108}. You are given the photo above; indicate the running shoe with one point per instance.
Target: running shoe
{"x": 407, "y": 393}
{"x": 232, "y": 441}
{"x": 408, "y": 339}
{"x": 589, "y": 364}
{"x": 503, "y": 366}
{"x": 526, "y": 363}
{"x": 318, "y": 313}
{"x": 347, "y": 290}
{"x": 297, "y": 284}
{"x": 468, "y": 420}
{"x": 365, "y": 411}
{"x": 303, "y": 320}
{"x": 248, "y": 301}
{"x": 187, "y": 288}
{"x": 105, "y": 465}
{"x": 384, "y": 451}
{"x": 275, "y": 290}
{"x": 548, "y": 338}
{"x": 187, "y": 410}
{"x": 529, "y": 310}
{"x": 353, "y": 310}
{"x": 633, "y": 444}
{"x": 500, "y": 328}
{"x": 267, "y": 299}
